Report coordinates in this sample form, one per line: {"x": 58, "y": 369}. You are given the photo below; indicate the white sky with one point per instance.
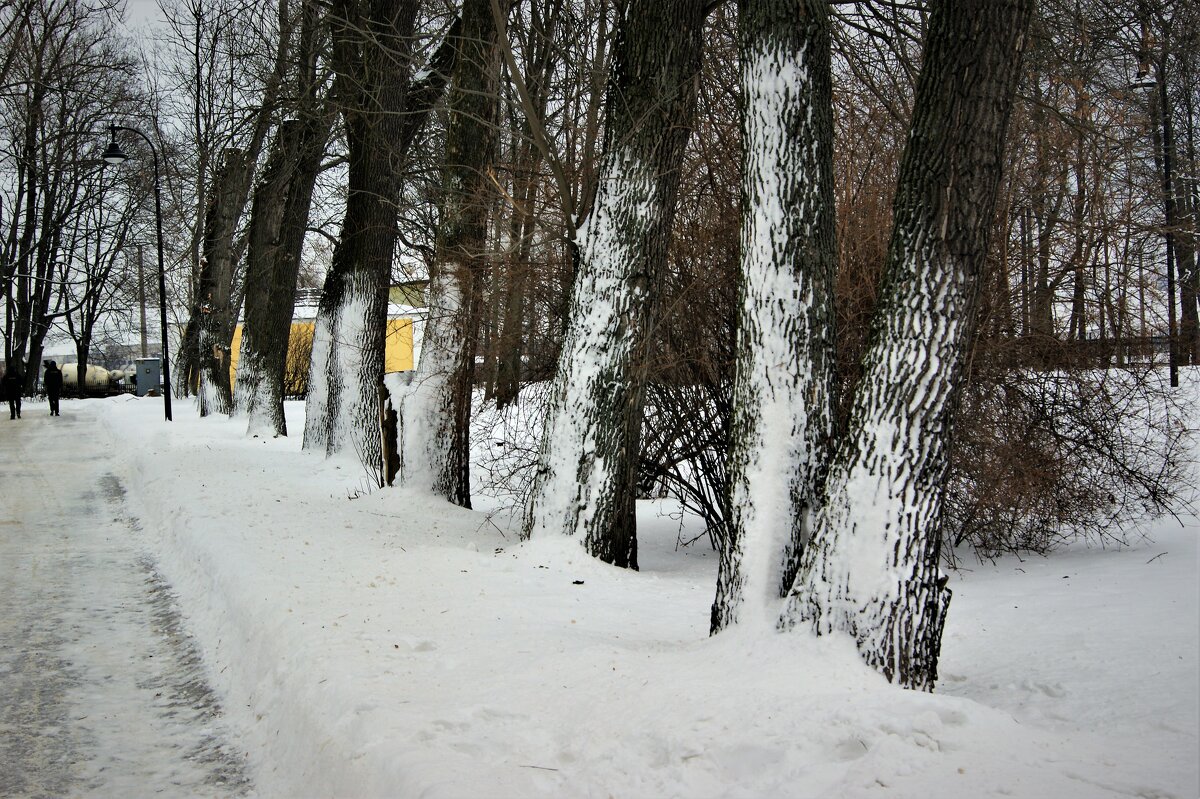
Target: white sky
{"x": 139, "y": 13}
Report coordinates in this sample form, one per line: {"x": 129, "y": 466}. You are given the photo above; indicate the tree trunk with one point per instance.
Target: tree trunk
{"x": 278, "y": 223}
{"x": 204, "y": 351}
{"x": 436, "y": 411}
{"x": 510, "y": 347}
{"x": 382, "y": 113}
{"x": 212, "y": 315}
{"x": 1043, "y": 220}
{"x": 527, "y": 158}
{"x": 1077, "y": 326}
{"x": 871, "y": 568}
{"x": 1189, "y": 277}
{"x": 1189, "y": 235}
{"x": 783, "y": 394}
{"x": 19, "y": 315}
{"x": 586, "y": 477}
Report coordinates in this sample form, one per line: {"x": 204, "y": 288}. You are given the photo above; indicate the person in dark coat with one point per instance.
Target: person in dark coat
{"x": 52, "y": 380}
{"x": 14, "y": 384}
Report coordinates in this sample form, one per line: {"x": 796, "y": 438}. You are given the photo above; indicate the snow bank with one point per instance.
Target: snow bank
{"x": 386, "y": 644}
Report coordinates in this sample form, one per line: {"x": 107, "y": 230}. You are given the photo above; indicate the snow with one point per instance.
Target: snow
{"x": 782, "y": 402}
{"x": 576, "y": 472}
{"x": 100, "y": 692}
{"x": 335, "y": 378}
{"x": 382, "y": 643}
{"x": 356, "y": 401}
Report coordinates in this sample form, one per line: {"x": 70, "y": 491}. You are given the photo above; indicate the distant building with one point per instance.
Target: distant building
{"x": 406, "y": 305}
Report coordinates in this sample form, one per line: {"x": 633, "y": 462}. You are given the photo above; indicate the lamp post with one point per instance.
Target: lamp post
{"x": 1168, "y": 182}
{"x": 115, "y": 155}
{"x": 1160, "y": 120}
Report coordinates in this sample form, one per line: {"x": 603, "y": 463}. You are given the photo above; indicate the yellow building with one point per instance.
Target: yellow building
{"x": 397, "y": 353}
{"x": 405, "y": 301}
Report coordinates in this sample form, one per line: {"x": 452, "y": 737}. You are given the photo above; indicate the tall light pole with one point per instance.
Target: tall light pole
{"x": 115, "y": 155}
{"x": 1160, "y": 119}
{"x": 1168, "y": 180}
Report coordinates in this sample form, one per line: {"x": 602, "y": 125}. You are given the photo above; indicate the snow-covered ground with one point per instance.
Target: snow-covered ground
{"x": 102, "y": 694}
{"x": 381, "y": 643}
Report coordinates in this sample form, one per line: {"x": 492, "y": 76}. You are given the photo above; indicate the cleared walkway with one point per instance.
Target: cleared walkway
{"x": 101, "y": 691}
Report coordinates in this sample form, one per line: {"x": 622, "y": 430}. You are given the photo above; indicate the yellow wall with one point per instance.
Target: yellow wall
{"x": 235, "y": 354}
{"x": 398, "y": 348}
{"x": 397, "y": 353}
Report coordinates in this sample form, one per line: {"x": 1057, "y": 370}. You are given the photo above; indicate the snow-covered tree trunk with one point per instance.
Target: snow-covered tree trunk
{"x": 278, "y": 223}
{"x": 784, "y": 383}
{"x": 586, "y": 478}
{"x": 434, "y": 410}
{"x": 215, "y": 309}
{"x": 259, "y": 374}
{"x": 372, "y": 53}
{"x": 871, "y": 568}
{"x": 435, "y": 413}
{"x": 347, "y": 357}
{"x": 383, "y": 111}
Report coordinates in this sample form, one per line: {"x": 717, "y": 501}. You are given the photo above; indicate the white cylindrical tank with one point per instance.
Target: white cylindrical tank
{"x": 94, "y": 382}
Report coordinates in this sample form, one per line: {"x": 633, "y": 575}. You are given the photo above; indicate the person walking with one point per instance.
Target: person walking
{"x": 14, "y": 385}
{"x": 52, "y": 380}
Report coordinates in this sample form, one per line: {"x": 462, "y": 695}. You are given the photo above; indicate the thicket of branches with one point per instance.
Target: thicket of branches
{"x": 67, "y": 223}
{"x": 1067, "y": 424}
{"x": 1053, "y": 441}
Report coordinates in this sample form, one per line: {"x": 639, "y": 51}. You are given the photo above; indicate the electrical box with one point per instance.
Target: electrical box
{"x": 149, "y": 375}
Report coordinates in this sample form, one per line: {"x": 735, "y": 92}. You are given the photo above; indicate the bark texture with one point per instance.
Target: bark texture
{"x": 585, "y": 483}
{"x": 784, "y": 383}
{"x": 278, "y": 222}
{"x": 383, "y": 109}
{"x": 215, "y": 309}
{"x": 436, "y": 411}
{"x": 278, "y": 219}
{"x": 871, "y": 569}
{"x": 213, "y": 315}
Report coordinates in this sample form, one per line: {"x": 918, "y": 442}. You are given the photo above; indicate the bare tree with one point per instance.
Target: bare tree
{"x": 214, "y": 308}
{"x": 277, "y": 226}
{"x": 64, "y": 71}
{"x": 585, "y": 485}
{"x": 383, "y": 106}
{"x": 871, "y": 567}
{"x": 435, "y": 414}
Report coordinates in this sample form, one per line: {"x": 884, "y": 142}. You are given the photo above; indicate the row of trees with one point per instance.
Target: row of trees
{"x": 763, "y": 257}
{"x": 66, "y": 222}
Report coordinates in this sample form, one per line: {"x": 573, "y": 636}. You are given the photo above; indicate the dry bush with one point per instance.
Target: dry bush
{"x": 685, "y": 429}
{"x": 299, "y": 354}
{"x": 1041, "y": 456}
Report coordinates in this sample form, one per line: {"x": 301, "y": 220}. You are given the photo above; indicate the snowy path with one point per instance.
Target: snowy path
{"x": 383, "y": 644}
{"x": 101, "y": 693}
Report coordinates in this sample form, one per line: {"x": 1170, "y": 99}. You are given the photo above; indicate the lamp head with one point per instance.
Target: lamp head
{"x": 114, "y": 154}
{"x": 1144, "y": 79}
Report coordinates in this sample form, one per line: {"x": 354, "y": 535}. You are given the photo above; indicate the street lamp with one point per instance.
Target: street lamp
{"x": 115, "y": 155}
{"x": 1166, "y": 142}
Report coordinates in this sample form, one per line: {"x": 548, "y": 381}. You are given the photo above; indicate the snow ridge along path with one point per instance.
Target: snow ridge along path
{"x": 102, "y": 693}
{"x": 384, "y": 644}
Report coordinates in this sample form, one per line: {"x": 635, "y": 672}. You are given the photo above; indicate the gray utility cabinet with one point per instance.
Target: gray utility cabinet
{"x": 149, "y": 375}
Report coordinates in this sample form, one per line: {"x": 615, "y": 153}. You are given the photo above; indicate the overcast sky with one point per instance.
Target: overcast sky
{"x": 139, "y": 12}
